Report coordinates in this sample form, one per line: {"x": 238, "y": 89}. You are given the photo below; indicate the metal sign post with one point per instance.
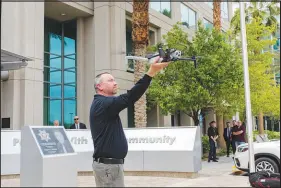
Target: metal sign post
{"x": 247, "y": 88}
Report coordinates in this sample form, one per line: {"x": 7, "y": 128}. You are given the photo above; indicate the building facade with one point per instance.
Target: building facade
{"x": 70, "y": 43}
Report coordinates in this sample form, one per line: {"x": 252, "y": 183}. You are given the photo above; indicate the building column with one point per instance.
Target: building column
{"x": 23, "y": 92}
{"x": 176, "y": 10}
{"x": 85, "y": 67}
{"x": 110, "y": 46}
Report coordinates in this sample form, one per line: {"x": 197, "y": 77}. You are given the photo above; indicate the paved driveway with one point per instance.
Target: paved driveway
{"x": 212, "y": 175}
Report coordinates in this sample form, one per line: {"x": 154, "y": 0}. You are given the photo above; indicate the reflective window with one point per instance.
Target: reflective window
{"x": 188, "y": 17}
{"x": 224, "y": 11}
{"x": 59, "y": 72}
{"x": 207, "y": 24}
{"x": 210, "y": 4}
{"x": 162, "y": 6}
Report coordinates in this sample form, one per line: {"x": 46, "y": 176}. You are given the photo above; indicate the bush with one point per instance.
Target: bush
{"x": 221, "y": 152}
{"x": 205, "y": 142}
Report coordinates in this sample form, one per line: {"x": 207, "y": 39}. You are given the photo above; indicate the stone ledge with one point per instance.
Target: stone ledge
{"x": 10, "y": 176}
{"x": 130, "y": 173}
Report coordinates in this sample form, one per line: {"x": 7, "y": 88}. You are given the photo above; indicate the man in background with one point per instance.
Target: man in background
{"x": 234, "y": 126}
{"x": 227, "y": 135}
{"x": 56, "y": 123}
{"x": 77, "y": 124}
{"x": 239, "y": 133}
{"x": 213, "y": 136}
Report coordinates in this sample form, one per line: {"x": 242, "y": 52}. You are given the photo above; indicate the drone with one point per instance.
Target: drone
{"x": 171, "y": 55}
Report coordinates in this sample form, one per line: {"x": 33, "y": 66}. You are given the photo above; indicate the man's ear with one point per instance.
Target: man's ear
{"x": 98, "y": 86}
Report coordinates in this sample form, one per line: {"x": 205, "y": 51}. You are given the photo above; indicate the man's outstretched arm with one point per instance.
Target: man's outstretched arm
{"x": 117, "y": 104}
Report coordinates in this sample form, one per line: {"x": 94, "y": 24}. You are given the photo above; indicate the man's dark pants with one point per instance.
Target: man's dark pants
{"x": 228, "y": 144}
{"x": 212, "y": 152}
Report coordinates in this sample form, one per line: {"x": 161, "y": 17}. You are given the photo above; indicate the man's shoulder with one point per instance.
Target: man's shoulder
{"x": 100, "y": 99}
{"x": 72, "y": 125}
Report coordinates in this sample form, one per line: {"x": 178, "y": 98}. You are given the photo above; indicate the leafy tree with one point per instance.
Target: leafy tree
{"x": 212, "y": 83}
{"x": 265, "y": 94}
{"x": 266, "y": 12}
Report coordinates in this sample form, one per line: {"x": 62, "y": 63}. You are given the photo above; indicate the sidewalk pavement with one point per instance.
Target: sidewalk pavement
{"x": 212, "y": 175}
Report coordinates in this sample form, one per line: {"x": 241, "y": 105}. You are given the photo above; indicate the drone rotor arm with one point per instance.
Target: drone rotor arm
{"x": 186, "y": 59}
{"x": 137, "y": 58}
{"x": 151, "y": 56}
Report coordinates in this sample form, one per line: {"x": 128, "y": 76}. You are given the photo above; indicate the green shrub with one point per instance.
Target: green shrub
{"x": 205, "y": 142}
{"x": 221, "y": 152}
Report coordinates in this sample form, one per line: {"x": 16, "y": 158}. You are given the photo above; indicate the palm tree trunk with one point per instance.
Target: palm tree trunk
{"x": 261, "y": 127}
{"x": 217, "y": 26}
{"x": 217, "y": 14}
{"x": 140, "y": 24}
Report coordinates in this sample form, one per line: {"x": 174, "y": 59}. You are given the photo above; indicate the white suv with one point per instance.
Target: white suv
{"x": 267, "y": 156}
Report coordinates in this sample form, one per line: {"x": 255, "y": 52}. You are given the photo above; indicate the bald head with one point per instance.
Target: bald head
{"x": 105, "y": 84}
{"x": 56, "y": 123}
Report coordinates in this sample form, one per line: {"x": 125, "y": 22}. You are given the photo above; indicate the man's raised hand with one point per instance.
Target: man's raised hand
{"x": 156, "y": 67}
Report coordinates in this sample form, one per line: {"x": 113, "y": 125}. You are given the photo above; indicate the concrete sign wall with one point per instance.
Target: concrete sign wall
{"x": 149, "y": 149}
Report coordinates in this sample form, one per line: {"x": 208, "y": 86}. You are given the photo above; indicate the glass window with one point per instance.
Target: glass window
{"x": 69, "y": 111}
{"x": 224, "y": 11}
{"x": 162, "y": 6}
{"x": 207, "y": 24}
{"x": 59, "y": 72}
{"x": 188, "y": 17}
{"x": 210, "y": 4}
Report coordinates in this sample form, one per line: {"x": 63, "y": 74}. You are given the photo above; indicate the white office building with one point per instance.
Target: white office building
{"x": 69, "y": 43}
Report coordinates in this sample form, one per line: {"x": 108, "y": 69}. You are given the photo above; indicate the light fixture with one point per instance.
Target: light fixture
{"x": 62, "y": 14}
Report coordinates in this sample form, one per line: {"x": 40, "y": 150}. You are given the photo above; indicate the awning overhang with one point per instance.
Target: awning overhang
{"x": 12, "y": 61}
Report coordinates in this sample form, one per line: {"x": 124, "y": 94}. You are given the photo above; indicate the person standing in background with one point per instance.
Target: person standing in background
{"x": 239, "y": 132}
{"x": 227, "y": 135}
{"x": 234, "y": 126}
{"x": 56, "y": 123}
{"x": 213, "y": 136}
{"x": 77, "y": 124}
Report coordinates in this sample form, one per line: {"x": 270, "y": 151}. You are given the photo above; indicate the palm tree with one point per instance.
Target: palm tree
{"x": 140, "y": 37}
{"x": 267, "y": 11}
{"x": 217, "y": 26}
{"x": 217, "y": 14}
